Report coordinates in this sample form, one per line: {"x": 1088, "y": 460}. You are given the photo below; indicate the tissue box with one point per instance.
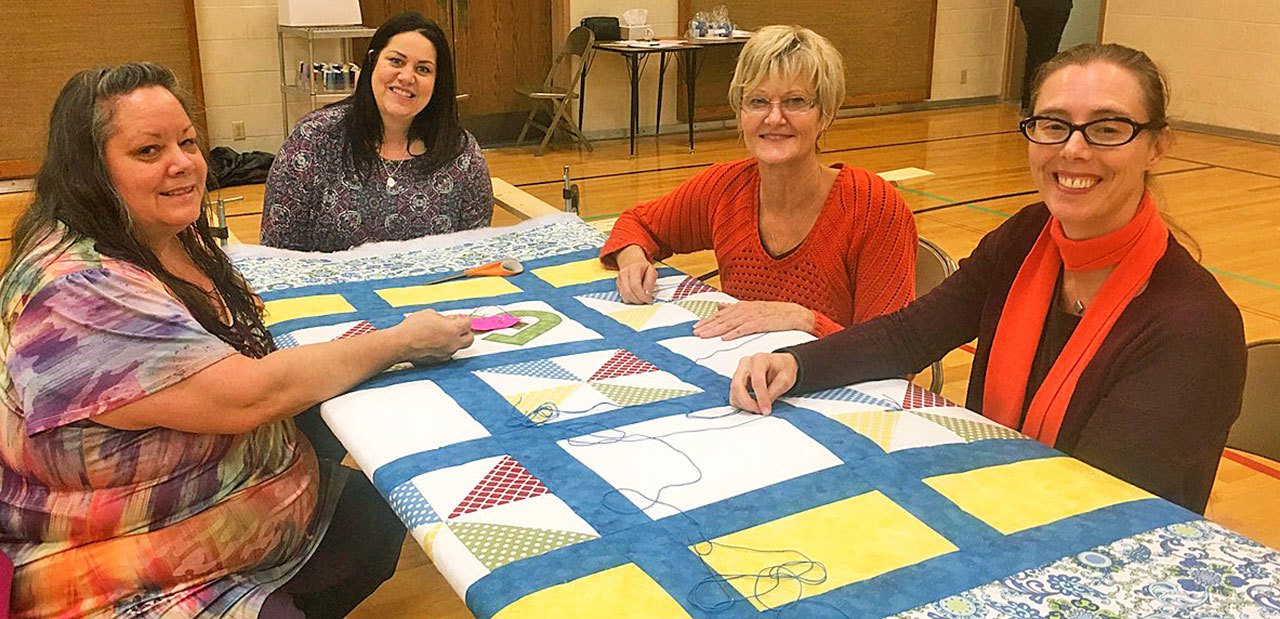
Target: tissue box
{"x": 319, "y": 12}
{"x": 637, "y": 33}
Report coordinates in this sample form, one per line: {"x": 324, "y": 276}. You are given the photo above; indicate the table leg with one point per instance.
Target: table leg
{"x": 690, "y": 78}
{"x": 662, "y": 73}
{"x": 633, "y": 66}
{"x": 582, "y": 94}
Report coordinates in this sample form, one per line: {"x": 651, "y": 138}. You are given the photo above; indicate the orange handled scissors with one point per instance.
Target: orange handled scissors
{"x": 500, "y": 268}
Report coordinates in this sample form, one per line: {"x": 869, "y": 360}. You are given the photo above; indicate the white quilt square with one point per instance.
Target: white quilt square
{"x": 722, "y": 356}
{"x": 327, "y": 333}
{"x": 385, "y": 423}
{"x": 540, "y": 325}
{"x": 688, "y": 461}
{"x": 493, "y": 511}
{"x": 572, "y": 386}
{"x": 677, "y": 299}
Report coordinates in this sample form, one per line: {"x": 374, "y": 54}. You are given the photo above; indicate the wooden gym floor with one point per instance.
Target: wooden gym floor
{"x": 1222, "y": 191}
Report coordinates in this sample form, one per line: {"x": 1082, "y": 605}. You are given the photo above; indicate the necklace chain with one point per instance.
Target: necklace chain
{"x": 391, "y": 174}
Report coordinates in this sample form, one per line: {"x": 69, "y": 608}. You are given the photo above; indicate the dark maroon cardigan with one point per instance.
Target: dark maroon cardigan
{"x": 1154, "y": 405}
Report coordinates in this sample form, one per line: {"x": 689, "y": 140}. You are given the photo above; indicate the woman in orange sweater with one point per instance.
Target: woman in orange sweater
{"x": 805, "y": 246}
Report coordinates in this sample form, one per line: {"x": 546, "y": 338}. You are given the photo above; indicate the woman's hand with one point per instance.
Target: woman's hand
{"x": 430, "y": 337}
{"x": 734, "y": 320}
{"x": 761, "y": 379}
{"x": 636, "y": 276}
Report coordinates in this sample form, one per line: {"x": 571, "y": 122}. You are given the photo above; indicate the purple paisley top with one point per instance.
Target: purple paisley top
{"x": 315, "y": 201}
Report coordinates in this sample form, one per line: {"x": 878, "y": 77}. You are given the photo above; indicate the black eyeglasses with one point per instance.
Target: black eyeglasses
{"x": 1116, "y": 131}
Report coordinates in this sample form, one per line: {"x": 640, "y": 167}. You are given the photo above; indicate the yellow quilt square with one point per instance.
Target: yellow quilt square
{"x": 1027, "y": 494}
{"x": 854, "y": 539}
{"x": 447, "y": 291}
{"x": 618, "y": 593}
{"x": 281, "y": 310}
{"x": 571, "y": 273}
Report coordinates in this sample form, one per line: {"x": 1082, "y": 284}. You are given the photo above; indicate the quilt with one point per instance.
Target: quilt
{"x": 585, "y": 462}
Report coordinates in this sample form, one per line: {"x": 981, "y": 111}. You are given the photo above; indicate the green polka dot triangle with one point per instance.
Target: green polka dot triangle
{"x": 701, "y": 308}
{"x": 626, "y": 395}
{"x": 496, "y": 545}
{"x": 971, "y": 431}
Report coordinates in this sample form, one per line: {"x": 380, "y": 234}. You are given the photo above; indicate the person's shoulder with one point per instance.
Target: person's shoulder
{"x": 469, "y": 141}
{"x": 1029, "y": 219}
{"x": 323, "y": 123}
{"x": 1186, "y": 288}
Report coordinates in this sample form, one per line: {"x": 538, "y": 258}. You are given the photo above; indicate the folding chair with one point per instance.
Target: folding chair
{"x": 1258, "y": 428}
{"x": 932, "y": 266}
{"x": 556, "y": 100}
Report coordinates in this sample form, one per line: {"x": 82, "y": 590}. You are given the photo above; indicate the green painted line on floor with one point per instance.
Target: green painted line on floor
{"x": 1216, "y": 271}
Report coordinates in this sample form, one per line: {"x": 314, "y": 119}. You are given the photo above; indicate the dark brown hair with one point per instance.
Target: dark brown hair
{"x": 1155, "y": 89}
{"x": 73, "y": 187}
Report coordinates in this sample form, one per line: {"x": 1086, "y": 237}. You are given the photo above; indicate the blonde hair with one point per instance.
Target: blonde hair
{"x": 790, "y": 52}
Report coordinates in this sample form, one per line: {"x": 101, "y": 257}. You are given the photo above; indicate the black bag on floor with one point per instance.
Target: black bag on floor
{"x": 227, "y": 168}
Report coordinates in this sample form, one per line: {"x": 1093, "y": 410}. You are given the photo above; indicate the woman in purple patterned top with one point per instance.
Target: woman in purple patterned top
{"x": 390, "y": 162}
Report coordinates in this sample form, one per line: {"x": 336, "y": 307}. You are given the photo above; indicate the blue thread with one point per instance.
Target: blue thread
{"x": 803, "y": 571}
{"x": 733, "y": 348}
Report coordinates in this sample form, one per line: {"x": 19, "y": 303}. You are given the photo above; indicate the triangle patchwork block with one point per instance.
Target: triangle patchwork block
{"x": 360, "y": 328}
{"x": 700, "y": 308}
{"x": 542, "y": 368}
{"x": 623, "y": 363}
{"x": 429, "y": 538}
{"x": 845, "y": 394}
{"x": 603, "y": 296}
{"x": 530, "y": 401}
{"x": 919, "y": 397}
{"x": 627, "y": 395}
{"x": 496, "y": 545}
{"x": 971, "y": 430}
{"x": 635, "y": 317}
{"x": 878, "y": 426}
{"x": 690, "y": 286}
{"x": 412, "y": 508}
{"x": 286, "y": 341}
{"x": 507, "y": 482}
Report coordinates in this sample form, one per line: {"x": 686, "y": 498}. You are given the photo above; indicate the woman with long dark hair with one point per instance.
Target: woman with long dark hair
{"x": 149, "y": 464}
{"x": 390, "y": 162}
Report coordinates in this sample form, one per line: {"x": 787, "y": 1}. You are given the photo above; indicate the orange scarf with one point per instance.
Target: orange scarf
{"x": 1133, "y": 249}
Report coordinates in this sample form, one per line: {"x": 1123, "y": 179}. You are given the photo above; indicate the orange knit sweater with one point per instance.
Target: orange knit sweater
{"x": 858, "y": 261}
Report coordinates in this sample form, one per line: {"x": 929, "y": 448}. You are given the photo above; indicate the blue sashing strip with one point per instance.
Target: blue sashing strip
{"x": 660, "y": 548}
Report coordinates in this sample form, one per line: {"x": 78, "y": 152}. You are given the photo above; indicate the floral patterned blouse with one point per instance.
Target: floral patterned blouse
{"x": 316, "y": 201}
{"x": 157, "y": 523}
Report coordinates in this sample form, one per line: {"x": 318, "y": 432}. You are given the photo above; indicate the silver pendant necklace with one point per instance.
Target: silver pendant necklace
{"x": 391, "y": 174}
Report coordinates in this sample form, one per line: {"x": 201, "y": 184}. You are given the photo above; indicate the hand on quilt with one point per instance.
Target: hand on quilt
{"x": 430, "y": 337}
{"x": 760, "y": 379}
{"x": 734, "y": 320}
{"x": 636, "y": 276}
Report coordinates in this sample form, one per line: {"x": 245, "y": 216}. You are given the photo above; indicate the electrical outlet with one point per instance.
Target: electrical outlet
{"x": 964, "y": 76}
{"x": 237, "y": 129}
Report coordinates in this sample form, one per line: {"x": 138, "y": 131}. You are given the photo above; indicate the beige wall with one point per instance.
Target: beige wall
{"x": 1222, "y": 58}
{"x": 608, "y": 96}
{"x": 969, "y": 44}
{"x": 238, "y": 54}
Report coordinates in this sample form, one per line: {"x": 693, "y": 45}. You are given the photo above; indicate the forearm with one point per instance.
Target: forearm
{"x": 294, "y": 379}
{"x": 239, "y": 393}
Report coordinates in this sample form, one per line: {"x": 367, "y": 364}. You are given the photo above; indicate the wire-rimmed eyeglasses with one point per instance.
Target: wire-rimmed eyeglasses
{"x": 795, "y": 104}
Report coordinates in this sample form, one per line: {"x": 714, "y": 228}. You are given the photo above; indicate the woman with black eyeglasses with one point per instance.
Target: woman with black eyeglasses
{"x": 805, "y": 246}
{"x": 1098, "y": 333}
